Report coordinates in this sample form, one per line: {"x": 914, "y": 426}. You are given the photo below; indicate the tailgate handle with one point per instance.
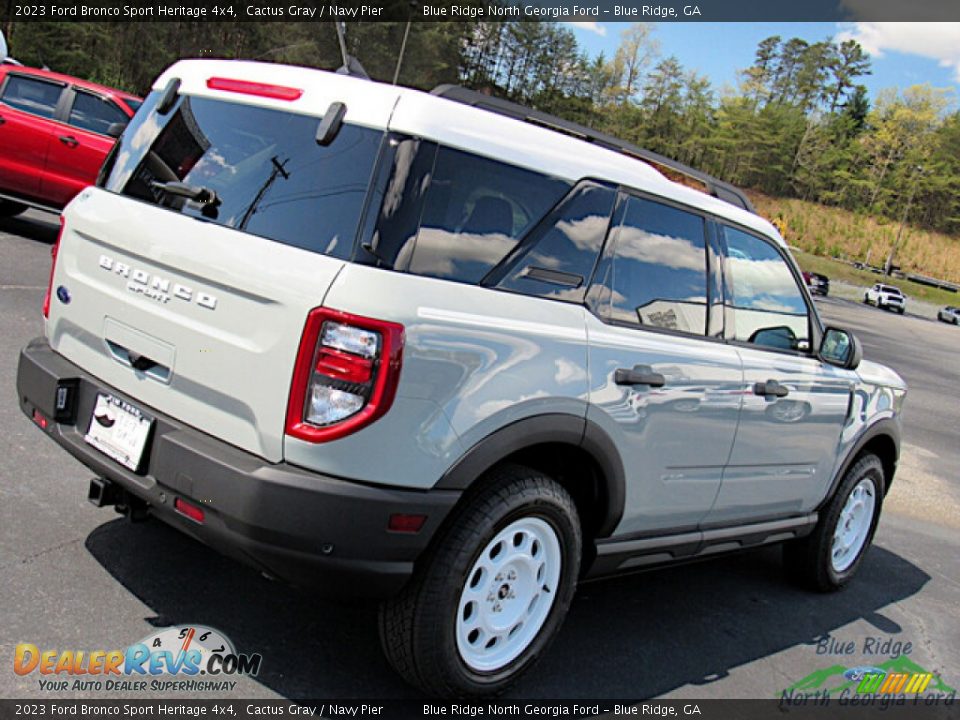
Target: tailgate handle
{"x": 140, "y": 363}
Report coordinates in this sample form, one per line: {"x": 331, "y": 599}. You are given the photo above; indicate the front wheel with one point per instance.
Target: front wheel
{"x": 491, "y": 594}
{"x": 826, "y": 559}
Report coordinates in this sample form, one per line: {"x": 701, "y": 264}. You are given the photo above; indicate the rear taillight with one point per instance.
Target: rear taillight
{"x": 53, "y": 266}
{"x": 346, "y": 374}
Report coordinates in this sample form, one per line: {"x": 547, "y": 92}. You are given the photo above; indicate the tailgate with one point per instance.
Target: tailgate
{"x": 213, "y": 314}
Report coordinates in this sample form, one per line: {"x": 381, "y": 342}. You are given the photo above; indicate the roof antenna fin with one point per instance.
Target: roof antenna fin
{"x": 351, "y": 66}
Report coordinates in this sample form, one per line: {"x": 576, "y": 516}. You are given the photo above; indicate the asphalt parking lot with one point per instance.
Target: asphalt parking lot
{"x": 75, "y": 577}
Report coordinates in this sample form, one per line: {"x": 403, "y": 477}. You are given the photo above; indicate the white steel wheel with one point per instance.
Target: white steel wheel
{"x": 853, "y": 525}
{"x": 508, "y": 594}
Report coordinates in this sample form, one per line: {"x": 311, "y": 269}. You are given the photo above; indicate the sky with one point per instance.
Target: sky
{"x": 902, "y": 54}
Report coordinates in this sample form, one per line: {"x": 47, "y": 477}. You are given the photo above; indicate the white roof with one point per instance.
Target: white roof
{"x": 389, "y": 107}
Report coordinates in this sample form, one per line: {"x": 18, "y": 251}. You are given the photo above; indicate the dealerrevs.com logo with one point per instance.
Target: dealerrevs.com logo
{"x": 187, "y": 658}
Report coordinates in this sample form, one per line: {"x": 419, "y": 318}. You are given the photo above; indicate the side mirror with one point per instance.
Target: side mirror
{"x": 116, "y": 129}
{"x": 841, "y": 348}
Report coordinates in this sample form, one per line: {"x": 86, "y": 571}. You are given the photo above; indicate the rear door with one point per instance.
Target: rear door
{"x": 28, "y": 105}
{"x": 79, "y": 147}
{"x": 794, "y": 405}
{"x": 211, "y": 298}
{"x": 662, "y": 383}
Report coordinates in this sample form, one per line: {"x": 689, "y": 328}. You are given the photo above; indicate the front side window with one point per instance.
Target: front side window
{"x": 657, "y": 277}
{"x": 91, "y": 113}
{"x": 264, "y": 169}
{"x": 764, "y": 298}
{"x": 37, "y": 97}
{"x": 474, "y": 212}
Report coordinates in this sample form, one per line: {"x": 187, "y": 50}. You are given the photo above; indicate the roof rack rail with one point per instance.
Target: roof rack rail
{"x": 712, "y": 186}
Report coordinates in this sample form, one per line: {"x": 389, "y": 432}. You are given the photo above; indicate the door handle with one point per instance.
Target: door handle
{"x": 770, "y": 388}
{"x": 69, "y": 140}
{"x": 3, "y": 120}
{"x": 639, "y": 375}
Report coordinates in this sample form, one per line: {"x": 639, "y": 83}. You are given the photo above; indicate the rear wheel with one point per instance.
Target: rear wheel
{"x": 484, "y": 605}
{"x": 826, "y": 559}
{"x": 8, "y": 208}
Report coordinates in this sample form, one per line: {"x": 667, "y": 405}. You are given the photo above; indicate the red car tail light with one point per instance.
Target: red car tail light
{"x": 53, "y": 266}
{"x": 346, "y": 374}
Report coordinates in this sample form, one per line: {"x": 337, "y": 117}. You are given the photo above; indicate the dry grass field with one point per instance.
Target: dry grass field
{"x": 845, "y": 235}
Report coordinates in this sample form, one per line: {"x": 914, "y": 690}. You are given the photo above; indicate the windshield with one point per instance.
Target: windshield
{"x": 249, "y": 168}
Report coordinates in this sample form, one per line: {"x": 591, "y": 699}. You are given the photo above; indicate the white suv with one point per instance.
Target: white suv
{"x": 886, "y": 296}
{"x": 424, "y": 348}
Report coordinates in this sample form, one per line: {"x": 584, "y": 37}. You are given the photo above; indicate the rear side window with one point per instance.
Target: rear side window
{"x": 560, "y": 254}
{"x": 766, "y": 301}
{"x": 270, "y": 176}
{"x": 36, "y": 97}
{"x": 91, "y": 113}
{"x": 657, "y": 274}
{"x": 474, "y": 212}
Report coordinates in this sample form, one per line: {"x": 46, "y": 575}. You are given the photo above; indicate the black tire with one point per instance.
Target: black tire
{"x": 8, "y": 208}
{"x": 808, "y": 560}
{"x": 866, "y": 300}
{"x": 900, "y": 310}
{"x": 418, "y": 627}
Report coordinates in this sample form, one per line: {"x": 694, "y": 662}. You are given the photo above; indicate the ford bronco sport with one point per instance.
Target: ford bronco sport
{"x": 424, "y": 348}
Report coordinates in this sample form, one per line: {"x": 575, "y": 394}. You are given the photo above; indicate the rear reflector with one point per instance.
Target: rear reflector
{"x": 277, "y": 92}
{"x": 188, "y": 509}
{"x": 40, "y": 419}
{"x": 400, "y": 522}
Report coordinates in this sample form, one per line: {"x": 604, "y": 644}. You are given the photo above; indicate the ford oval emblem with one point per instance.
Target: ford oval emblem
{"x": 63, "y": 295}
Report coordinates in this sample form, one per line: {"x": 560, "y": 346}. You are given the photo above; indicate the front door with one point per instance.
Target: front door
{"x": 27, "y": 108}
{"x": 794, "y": 405}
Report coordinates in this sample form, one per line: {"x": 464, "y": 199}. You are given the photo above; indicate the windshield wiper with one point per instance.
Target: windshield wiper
{"x": 197, "y": 193}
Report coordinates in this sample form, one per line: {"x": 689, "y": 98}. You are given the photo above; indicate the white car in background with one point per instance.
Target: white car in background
{"x": 886, "y": 296}
{"x": 949, "y": 314}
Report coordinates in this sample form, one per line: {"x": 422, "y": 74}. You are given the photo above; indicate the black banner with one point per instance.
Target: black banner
{"x": 485, "y": 10}
{"x": 891, "y": 707}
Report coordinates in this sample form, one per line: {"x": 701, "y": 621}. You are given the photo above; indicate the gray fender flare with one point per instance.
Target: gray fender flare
{"x": 539, "y": 429}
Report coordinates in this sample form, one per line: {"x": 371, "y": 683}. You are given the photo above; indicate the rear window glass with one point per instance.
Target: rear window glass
{"x": 267, "y": 172}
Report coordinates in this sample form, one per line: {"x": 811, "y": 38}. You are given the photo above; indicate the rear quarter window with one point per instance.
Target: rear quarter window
{"x": 474, "y": 213}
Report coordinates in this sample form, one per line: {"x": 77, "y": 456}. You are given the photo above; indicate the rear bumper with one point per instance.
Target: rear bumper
{"x": 293, "y": 524}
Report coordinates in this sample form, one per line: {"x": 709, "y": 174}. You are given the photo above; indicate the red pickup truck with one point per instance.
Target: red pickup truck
{"x": 55, "y": 132}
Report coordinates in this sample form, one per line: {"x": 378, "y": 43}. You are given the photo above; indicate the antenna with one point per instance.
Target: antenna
{"x": 403, "y": 45}
{"x": 351, "y": 66}
{"x": 341, "y": 37}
